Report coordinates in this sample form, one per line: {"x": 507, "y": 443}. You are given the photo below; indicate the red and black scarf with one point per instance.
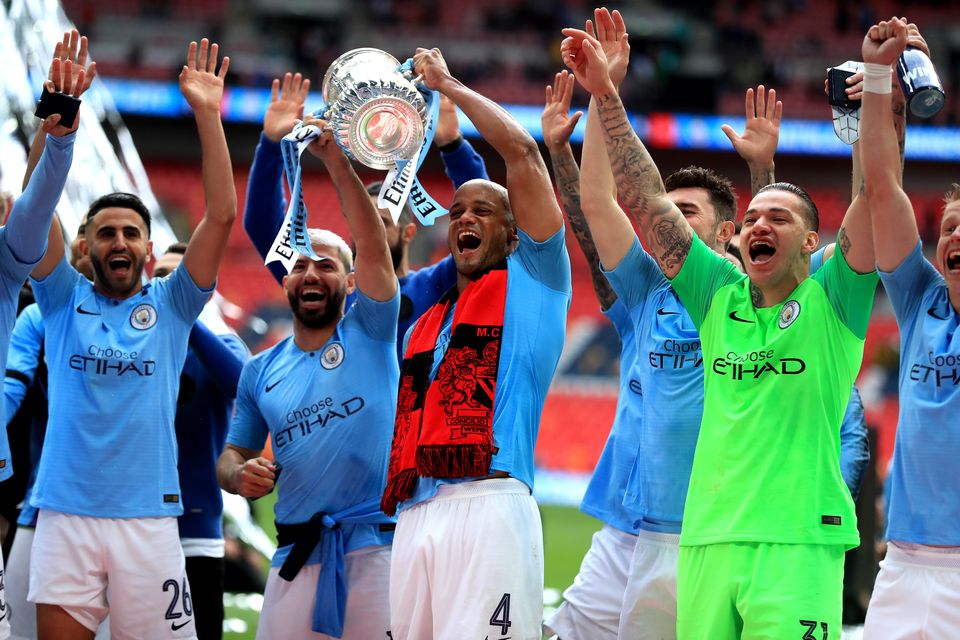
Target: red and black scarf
{"x": 444, "y": 428}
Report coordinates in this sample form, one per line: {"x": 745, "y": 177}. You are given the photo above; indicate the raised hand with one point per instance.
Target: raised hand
{"x": 323, "y": 147}
{"x": 885, "y": 41}
{"x": 70, "y": 83}
{"x": 72, "y": 49}
{"x": 556, "y": 120}
{"x": 855, "y": 82}
{"x": 286, "y": 105}
{"x": 758, "y": 144}
{"x": 429, "y": 64}
{"x": 200, "y": 83}
{"x": 584, "y": 56}
{"x": 611, "y": 33}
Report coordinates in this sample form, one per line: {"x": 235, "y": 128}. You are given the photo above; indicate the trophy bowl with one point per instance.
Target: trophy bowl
{"x": 376, "y": 113}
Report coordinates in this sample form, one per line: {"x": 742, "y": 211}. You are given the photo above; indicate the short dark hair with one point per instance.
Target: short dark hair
{"x": 809, "y": 208}
{"x": 722, "y": 196}
{"x": 178, "y": 248}
{"x": 119, "y": 200}
{"x": 406, "y": 215}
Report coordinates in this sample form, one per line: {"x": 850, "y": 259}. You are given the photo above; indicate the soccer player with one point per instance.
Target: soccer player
{"x": 26, "y": 378}
{"x": 106, "y": 537}
{"x": 208, "y": 386}
{"x": 265, "y": 207}
{"x": 326, "y": 396}
{"x": 468, "y": 558}
{"x": 917, "y": 593}
{"x": 591, "y": 606}
{"x": 767, "y": 517}
{"x": 23, "y": 238}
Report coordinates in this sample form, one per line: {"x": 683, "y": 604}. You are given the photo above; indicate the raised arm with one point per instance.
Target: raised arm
{"x": 265, "y": 206}
{"x": 639, "y": 185}
{"x": 758, "y": 144}
{"x": 532, "y": 199}
{"x": 43, "y": 186}
{"x": 894, "y": 226}
{"x": 460, "y": 161}
{"x": 202, "y": 86}
{"x": 557, "y": 126}
{"x": 373, "y": 266}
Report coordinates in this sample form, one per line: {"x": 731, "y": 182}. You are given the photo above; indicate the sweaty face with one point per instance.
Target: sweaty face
{"x": 117, "y": 244}
{"x": 695, "y": 205}
{"x": 316, "y": 289}
{"x": 948, "y": 245}
{"x": 481, "y": 232}
{"x": 774, "y": 236}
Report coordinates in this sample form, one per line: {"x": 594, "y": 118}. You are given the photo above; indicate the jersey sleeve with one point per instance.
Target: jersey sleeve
{"x": 854, "y": 444}
{"x": 463, "y": 164}
{"x": 265, "y": 206}
{"x": 248, "y": 429}
{"x": 619, "y": 316}
{"x": 704, "y": 272}
{"x": 54, "y": 292}
{"x": 850, "y": 293}
{"x": 635, "y": 277}
{"x": 907, "y": 284}
{"x": 378, "y": 320}
{"x": 183, "y": 295}
{"x": 23, "y": 358}
{"x": 547, "y": 261}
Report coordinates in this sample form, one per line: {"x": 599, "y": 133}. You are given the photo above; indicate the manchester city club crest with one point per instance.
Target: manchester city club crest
{"x": 789, "y": 313}
{"x": 143, "y": 317}
{"x": 332, "y": 356}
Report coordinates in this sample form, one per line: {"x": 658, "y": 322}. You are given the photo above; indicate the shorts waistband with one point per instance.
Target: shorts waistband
{"x": 661, "y": 539}
{"x": 476, "y": 488}
{"x": 924, "y": 556}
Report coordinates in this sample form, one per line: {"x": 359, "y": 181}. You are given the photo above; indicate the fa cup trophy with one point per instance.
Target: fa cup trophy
{"x": 380, "y": 118}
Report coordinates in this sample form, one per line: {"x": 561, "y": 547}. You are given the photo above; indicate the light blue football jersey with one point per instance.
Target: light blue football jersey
{"x": 669, "y": 369}
{"x": 114, "y": 371}
{"x": 608, "y": 484}
{"x": 330, "y": 415}
{"x": 534, "y": 327}
{"x": 923, "y": 504}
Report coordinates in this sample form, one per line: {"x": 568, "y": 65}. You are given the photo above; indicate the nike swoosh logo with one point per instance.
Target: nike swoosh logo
{"x": 733, "y": 316}
{"x": 930, "y": 312}
{"x": 83, "y": 311}
{"x": 661, "y": 312}
{"x": 174, "y": 626}
{"x": 271, "y": 386}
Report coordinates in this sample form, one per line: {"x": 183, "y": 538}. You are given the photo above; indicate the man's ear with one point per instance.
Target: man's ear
{"x": 409, "y": 231}
{"x": 82, "y": 244}
{"x": 351, "y": 282}
{"x": 726, "y": 231}
{"x": 811, "y": 242}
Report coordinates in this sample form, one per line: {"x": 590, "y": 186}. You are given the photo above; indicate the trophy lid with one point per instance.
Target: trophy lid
{"x": 345, "y": 65}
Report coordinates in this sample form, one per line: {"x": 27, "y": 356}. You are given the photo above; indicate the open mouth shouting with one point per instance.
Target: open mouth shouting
{"x": 953, "y": 261}
{"x": 312, "y": 297}
{"x": 468, "y": 242}
{"x": 761, "y": 251}
{"x": 120, "y": 265}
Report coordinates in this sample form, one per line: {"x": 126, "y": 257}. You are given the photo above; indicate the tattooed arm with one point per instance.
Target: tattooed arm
{"x": 761, "y": 132}
{"x": 557, "y": 127}
{"x": 894, "y": 226}
{"x": 667, "y": 233}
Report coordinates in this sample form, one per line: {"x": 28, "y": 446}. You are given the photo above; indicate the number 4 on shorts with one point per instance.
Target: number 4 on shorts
{"x": 501, "y": 615}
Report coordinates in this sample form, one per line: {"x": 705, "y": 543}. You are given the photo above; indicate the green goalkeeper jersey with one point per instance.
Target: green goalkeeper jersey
{"x": 776, "y": 384}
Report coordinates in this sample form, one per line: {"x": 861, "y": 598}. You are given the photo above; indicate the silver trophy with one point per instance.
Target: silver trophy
{"x": 375, "y": 111}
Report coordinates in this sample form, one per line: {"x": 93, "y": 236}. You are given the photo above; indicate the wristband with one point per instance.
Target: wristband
{"x": 453, "y": 145}
{"x": 876, "y": 78}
